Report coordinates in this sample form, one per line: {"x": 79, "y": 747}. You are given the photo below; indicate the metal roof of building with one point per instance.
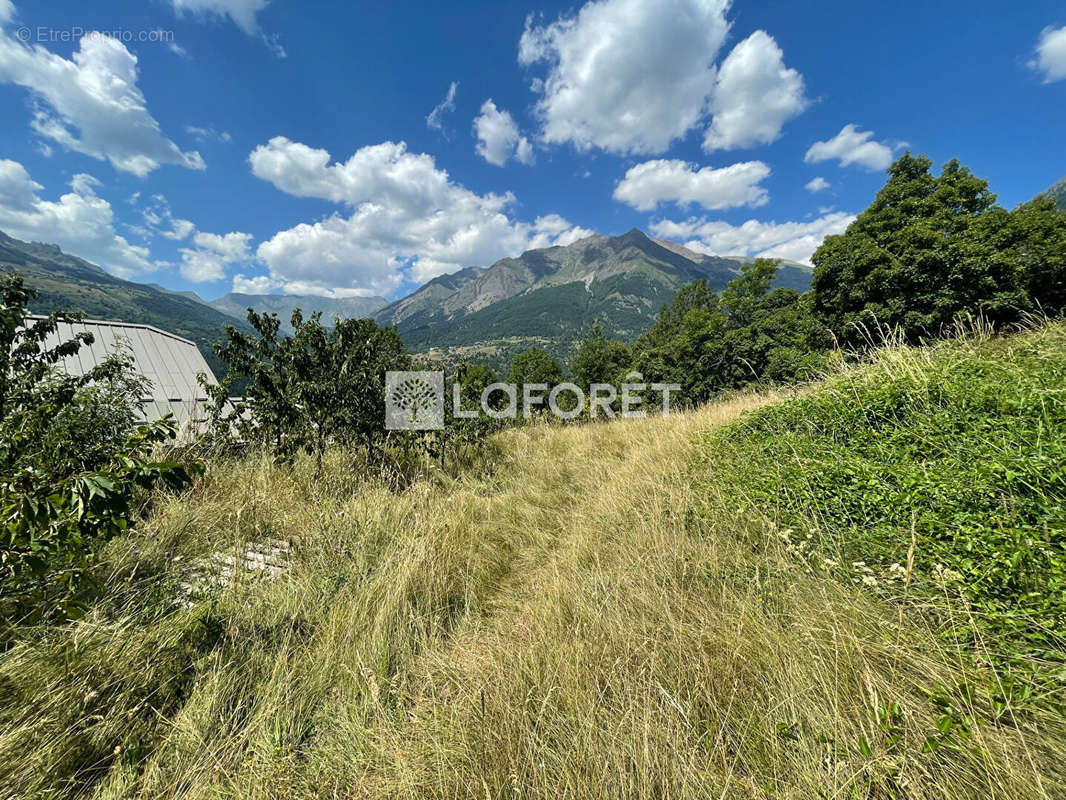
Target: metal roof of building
{"x": 170, "y": 362}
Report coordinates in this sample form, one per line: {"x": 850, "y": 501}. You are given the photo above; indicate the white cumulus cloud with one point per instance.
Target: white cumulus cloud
{"x": 80, "y": 222}
{"x": 206, "y": 255}
{"x": 553, "y": 230}
{"x": 91, "y": 103}
{"x": 672, "y": 180}
{"x": 207, "y": 261}
{"x": 754, "y": 95}
{"x": 852, "y": 146}
{"x": 405, "y": 219}
{"x": 793, "y": 241}
{"x": 256, "y": 284}
{"x": 626, "y": 76}
{"x": 818, "y": 184}
{"x": 498, "y": 138}
{"x": 1050, "y": 57}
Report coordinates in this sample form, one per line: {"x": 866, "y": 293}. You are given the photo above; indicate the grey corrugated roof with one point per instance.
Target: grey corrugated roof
{"x": 170, "y": 362}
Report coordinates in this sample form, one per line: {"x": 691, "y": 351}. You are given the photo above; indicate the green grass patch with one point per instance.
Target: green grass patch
{"x": 934, "y": 473}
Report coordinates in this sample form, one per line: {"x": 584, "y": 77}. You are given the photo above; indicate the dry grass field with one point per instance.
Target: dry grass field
{"x": 587, "y": 614}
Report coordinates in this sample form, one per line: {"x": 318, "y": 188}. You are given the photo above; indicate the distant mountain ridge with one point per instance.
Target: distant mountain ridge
{"x": 550, "y": 296}
{"x": 236, "y": 305}
{"x": 68, "y": 283}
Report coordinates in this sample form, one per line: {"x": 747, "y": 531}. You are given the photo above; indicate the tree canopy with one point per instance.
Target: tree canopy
{"x": 599, "y": 359}
{"x": 535, "y": 366}
{"x": 319, "y": 385}
{"x": 930, "y": 248}
{"x": 750, "y": 332}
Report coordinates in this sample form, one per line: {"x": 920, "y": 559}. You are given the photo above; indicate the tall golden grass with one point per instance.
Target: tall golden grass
{"x": 575, "y": 620}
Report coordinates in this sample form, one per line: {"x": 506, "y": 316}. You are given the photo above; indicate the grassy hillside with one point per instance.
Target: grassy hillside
{"x": 68, "y": 283}
{"x": 611, "y": 610}
{"x": 951, "y": 461}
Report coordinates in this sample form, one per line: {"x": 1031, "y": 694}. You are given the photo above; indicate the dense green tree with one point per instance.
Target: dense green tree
{"x": 473, "y": 379}
{"x": 534, "y": 366}
{"x": 257, "y": 365}
{"x": 531, "y": 367}
{"x": 319, "y": 386}
{"x": 749, "y": 333}
{"x": 598, "y": 359}
{"x": 1029, "y": 246}
{"x": 932, "y": 247}
{"x": 670, "y": 349}
{"x": 337, "y": 379}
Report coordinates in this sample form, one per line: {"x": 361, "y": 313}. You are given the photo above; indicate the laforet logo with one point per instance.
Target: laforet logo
{"x": 414, "y": 395}
{"x": 414, "y": 400}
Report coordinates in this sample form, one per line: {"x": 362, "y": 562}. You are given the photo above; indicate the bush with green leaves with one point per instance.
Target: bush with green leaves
{"x": 534, "y": 365}
{"x": 599, "y": 359}
{"x": 319, "y": 386}
{"x": 324, "y": 387}
{"x": 463, "y": 437}
{"x": 75, "y": 459}
{"x": 535, "y": 372}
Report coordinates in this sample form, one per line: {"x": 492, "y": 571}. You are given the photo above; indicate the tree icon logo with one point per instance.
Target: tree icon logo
{"x": 414, "y": 401}
{"x": 414, "y": 395}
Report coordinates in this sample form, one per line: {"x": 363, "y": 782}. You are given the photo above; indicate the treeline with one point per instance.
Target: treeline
{"x": 929, "y": 249}
{"x": 325, "y": 386}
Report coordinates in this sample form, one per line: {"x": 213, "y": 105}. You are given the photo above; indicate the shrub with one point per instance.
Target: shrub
{"x": 73, "y": 457}
{"x": 303, "y": 392}
{"x": 325, "y": 386}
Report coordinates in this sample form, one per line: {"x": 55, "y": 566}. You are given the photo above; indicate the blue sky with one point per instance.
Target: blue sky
{"x": 257, "y": 145}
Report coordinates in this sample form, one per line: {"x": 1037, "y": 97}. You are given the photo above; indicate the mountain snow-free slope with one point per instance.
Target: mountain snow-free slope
{"x": 1058, "y": 193}
{"x": 236, "y": 305}
{"x": 550, "y": 296}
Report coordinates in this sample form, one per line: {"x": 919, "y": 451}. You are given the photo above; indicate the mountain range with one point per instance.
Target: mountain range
{"x": 237, "y": 305}
{"x": 547, "y": 297}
